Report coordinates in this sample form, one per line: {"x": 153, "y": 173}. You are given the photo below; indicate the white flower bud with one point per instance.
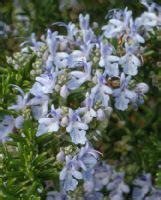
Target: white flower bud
{"x": 60, "y": 156}
{"x": 64, "y": 121}
{"x": 64, "y": 91}
{"x": 32, "y": 72}
{"x": 142, "y": 88}
{"x": 100, "y": 114}
{"x": 94, "y": 79}
{"x": 57, "y": 88}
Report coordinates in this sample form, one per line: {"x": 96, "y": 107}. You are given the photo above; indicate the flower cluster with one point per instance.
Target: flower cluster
{"x": 99, "y": 68}
{"x": 103, "y": 177}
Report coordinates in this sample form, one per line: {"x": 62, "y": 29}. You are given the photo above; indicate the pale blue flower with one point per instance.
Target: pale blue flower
{"x": 39, "y": 102}
{"x": 79, "y": 77}
{"x": 140, "y": 90}
{"x": 84, "y": 21}
{"x": 121, "y": 102}
{"x": 87, "y": 157}
{"x": 56, "y": 59}
{"x": 102, "y": 175}
{"x": 143, "y": 185}
{"x": 69, "y": 175}
{"x": 47, "y": 82}
{"x": 77, "y": 56}
{"x": 117, "y": 27}
{"x": 51, "y": 124}
{"x": 37, "y": 90}
{"x": 130, "y": 64}
{"x": 21, "y": 100}
{"x": 97, "y": 178}
{"x": 19, "y": 122}
{"x": 72, "y": 31}
{"x": 117, "y": 187}
{"x": 88, "y": 36}
{"x": 64, "y": 91}
{"x": 36, "y": 45}
{"x": 76, "y": 128}
{"x": 61, "y": 60}
{"x": 71, "y": 28}
{"x": 123, "y": 95}
{"x": 151, "y": 7}
{"x": 7, "y": 125}
{"x": 134, "y": 34}
{"x": 54, "y": 195}
{"x": 100, "y": 114}
{"x": 93, "y": 196}
{"x": 156, "y": 195}
{"x": 88, "y": 42}
{"x": 60, "y": 156}
{"x": 100, "y": 92}
{"x": 47, "y": 125}
{"x": 89, "y": 112}
{"x": 108, "y": 61}
{"x": 148, "y": 20}
{"x": 52, "y": 42}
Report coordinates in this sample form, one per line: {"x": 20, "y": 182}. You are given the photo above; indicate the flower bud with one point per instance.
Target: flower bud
{"x": 64, "y": 91}
{"x": 142, "y": 88}
{"x": 100, "y": 114}
{"x": 60, "y": 156}
{"x": 64, "y": 121}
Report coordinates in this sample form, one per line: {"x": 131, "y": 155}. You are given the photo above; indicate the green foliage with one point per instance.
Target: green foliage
{"x": 27, "y": 162}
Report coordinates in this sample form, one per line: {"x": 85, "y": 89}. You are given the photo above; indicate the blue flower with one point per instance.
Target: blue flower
{"x": 130, "y": 64}
{"x": 147, "y": 20}
{"x": 77, "y": 56}
{"x": 71, "y": 29}
{"x": 84, "y": 21}
{"x": 64, "y": 91}
{"x": 52, "y": 42}
{"x": 35, "y": 44}
{"x": 70, "y": 174}
{"x": 123, "y": 95}
{"x": 21, "y": 100}
{"x": 87, "y": 157}
{"x": 88, "y": 36}
{"x": 116, "y": 26}
{"x": 7, "y": 125}
{"x": 102, "y": 175}
{"x": 134, "y": 34}
{"x": 38, "y": 103}
{"x": 79, "y": 77}
{"x": 76, "y": 128}
{"x": 108, "y": 61}
{"x": 155, "y": 195}
{"x": 54, "y": 195}
{"x": 89, "y": 112}
{"x": 151, "y": 7}
{"x": 117, "y": 187}
{"x": 100, "y": 92}
{"x": 47, "y": 124}
{"x": 143, "y": 185}
{"x": 140, "y": 90}
{"x": 47, "y": 82}
{"x": 93, "y": 196}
